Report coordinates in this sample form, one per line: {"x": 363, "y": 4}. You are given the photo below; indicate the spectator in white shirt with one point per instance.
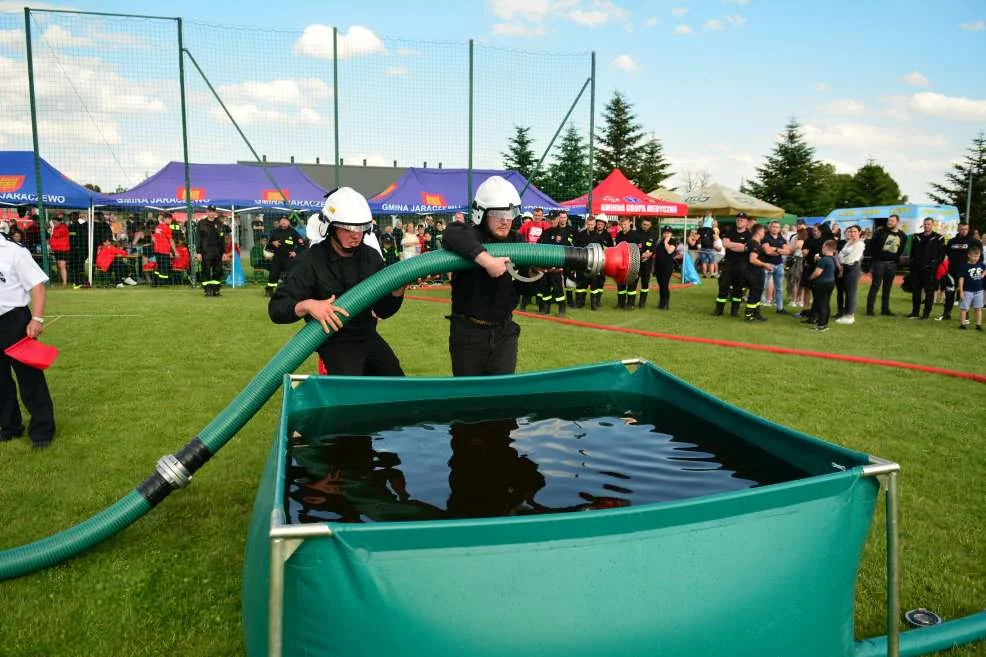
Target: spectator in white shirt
{"x": 851, "y": 259}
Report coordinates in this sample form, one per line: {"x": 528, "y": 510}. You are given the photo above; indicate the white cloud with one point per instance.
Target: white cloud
{"x": 12, "y": 38}
{"x": 17, "y": 6}
{"x": 588, "y": 18}
{"x": 857, "y": 137}
{"x": 316, "y": 41}
{"x": 955, "y": 108}
{"x": 535, "y": 11}
{"x": 821, "y": 86}
{"x": 518, "y": 30}
{"x": 974, "y": 26}
{"x": 844, "y": 106}
{"x": 916, "y": 79}
{"x": 396, "y": 71}
{"x": 57, "y": 36}
{"x": 679, "y": 11}
{"x": 626, "y": 63}
{"x": 276, "y": 92}
{"x": 652, "y": 21}
{"x": 684, "y": 30}
{"x": 736, "y": 20}
{"x": 408, "y": 52}
{"x": 251, "y": 114}
{"x": 714, "y": 25}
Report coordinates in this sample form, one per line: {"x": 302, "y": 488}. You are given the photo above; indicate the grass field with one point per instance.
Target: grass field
{"x": 141, "y": 371}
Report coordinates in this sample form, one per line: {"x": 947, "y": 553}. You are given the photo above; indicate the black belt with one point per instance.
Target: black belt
{"x": 475, "y": 321}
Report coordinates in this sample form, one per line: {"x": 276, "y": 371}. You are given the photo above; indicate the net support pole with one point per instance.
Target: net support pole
{"x": 335, "y": 101}
{"x": 537, "y": 167}
{"x": 184, "y": 143}
{"x": 38, "y": 186}
{"x": 469, "y": 172}
{"x": 91, "y": 239}
{"x": 236, "y": 125}
{"x": 232, "y": 245}
{"x": 592, "y": 131}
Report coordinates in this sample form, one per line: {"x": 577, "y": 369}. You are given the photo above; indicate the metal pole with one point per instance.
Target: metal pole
{"x": 235, "y": 124}
{"x": 232, "y": 245}
{"x": 38, "y": 188}
{"x": 335, "y": 99}
{"x": 469, "y": 172}
{"x": 102, "y": 13}
{"x": 537, "y": 167}
{"x": 968, "y": 200}
{"x": 592, "y": 132}
{"x": 893, "y": 577}
{"x": 90, "y": 239}
{"x": 184, "y": 142}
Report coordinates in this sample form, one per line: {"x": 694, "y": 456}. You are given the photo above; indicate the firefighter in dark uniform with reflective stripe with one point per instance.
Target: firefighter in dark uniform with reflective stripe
{"x": 648, "y": 246}
{"x": 732, "y": 269}
{"x": 177, "y": 230}
{"x": 601, "y": 237}
{"x": 626, "y": 297}
{"x": 560, "y": 234}
{"x": 582, "y": 278}
{"x": 283, "y": 241}
{"x": 212, "y": 245}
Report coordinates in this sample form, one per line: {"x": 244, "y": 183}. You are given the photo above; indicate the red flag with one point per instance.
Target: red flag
{"x": 31, "y": 352}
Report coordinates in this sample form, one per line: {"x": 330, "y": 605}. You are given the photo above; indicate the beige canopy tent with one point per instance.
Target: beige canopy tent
{"x": 666, "y": 195}
{"x": 723, "y": 201}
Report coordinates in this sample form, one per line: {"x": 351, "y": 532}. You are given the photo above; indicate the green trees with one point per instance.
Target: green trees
{"x": 955, "y": 189}
{"x": 790, "y": 176}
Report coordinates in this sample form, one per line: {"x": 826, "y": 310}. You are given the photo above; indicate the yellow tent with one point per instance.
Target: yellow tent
{"x": 666, "y": 195}
{"x": 723, "y": 201}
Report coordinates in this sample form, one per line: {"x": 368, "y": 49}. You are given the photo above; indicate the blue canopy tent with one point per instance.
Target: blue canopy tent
{"x": 19, "y": 184}
{"x": 233, "y": 187}
{"x": 446, "y": 190}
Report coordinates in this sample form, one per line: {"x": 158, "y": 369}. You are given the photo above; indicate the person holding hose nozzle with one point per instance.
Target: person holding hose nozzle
{"x": 328, "y": 269}
{"x": 483, "y": 336}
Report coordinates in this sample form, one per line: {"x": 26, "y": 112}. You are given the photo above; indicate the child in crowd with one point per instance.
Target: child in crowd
{"x": 823, "y": 282}
{"x": 110, "y": 259}
{"x": 182, "y": 261}
{"x": 971, "y": 288}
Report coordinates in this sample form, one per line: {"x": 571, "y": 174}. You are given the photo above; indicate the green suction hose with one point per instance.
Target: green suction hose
{"x": 174, "y": 471}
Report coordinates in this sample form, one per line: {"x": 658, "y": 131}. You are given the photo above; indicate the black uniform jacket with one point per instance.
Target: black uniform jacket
{"x": 319, "y": 273}
{"x": 474, "y": 293}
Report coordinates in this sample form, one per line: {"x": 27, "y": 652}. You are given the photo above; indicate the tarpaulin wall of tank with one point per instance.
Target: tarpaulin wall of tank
{"x": 769, "y": 570}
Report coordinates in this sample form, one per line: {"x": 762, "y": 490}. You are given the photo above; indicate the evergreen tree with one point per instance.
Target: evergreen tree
{"x": 955, "y": 189}
{"x": 618, "y": 143}
{"x": 872, "y": 185}
{"x": 520, "y": 153}
{"x": 94, "y": 187}
{"x": 789, "y": 177}
{"x": 653, "y": 168}
{"x": 836, "y": 189}
{"x": 568, "y": 175}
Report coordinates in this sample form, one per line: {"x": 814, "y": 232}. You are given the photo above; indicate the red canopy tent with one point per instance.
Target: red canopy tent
{"x": 617, "y": 195}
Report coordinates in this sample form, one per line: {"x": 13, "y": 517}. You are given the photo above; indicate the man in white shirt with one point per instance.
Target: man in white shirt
{"x": 22, "y": 283}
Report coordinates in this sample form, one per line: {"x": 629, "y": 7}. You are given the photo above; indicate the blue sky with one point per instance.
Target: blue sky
{"x": 902, "y": 83}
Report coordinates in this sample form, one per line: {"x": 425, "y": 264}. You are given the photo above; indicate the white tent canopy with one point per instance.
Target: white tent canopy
{"x": 723, "y": 201}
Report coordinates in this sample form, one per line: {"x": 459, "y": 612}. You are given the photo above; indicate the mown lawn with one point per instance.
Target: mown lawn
{"x": 141, "y": 371}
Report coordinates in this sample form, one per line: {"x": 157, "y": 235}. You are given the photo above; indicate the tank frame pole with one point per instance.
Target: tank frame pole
{"x": 887, "y": 472}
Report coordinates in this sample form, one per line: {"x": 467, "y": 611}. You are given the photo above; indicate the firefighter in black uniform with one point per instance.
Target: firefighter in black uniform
{"x": 582, "y": 278}
{"x": 212, "y": 245}
{"x": 283, "y": 241}
{"x": 927, "y": 252}
{"x": 567, "y": 240}
{"x": 648, "y": 248}
{"x": 78, "y": 248}
{"x": 324, "y": 272}
{"x": 483, "y": 337}
{"x": 601, "y": 237}
{"x": 560, "y": 234}
{"x": 957, "y": 250}
{"x": 754, "y": 266}
{"x": 177, "y": 230}
{"x": 664, "y": 266}
{"x": 732, "y": 270}
{"x": 626, "y": 297}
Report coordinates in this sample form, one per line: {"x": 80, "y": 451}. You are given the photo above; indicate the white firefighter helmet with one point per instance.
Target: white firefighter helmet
{"x": 347, "y": 208}
{"x": 496, "y": 196}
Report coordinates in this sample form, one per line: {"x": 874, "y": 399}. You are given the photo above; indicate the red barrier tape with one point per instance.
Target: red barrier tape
{"x": 862, "y": 360}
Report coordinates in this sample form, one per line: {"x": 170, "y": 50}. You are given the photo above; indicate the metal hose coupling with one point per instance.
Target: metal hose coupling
{"x": 173, "y": 471}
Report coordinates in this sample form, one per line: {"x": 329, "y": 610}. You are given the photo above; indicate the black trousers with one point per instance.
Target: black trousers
{"x": 555, "y": 288}
{"x": 75, "y": 267}
{"x": 279, "y": 266}
{"x": 371, "y": 356}
{"x": 212, "y": 269}
{"x": 923, "y": 281}
{"x": 162, "y": 275}
{"x": 949, "y": 283}
{"x": 482, "y": 350}
{"x": 731, "y": 282}
{"x": 31, "y": 381}
{"x": 646, "y": 269}
{"x": 118, "y": 270}
{"x": 664, "y": 284}
{"x": 754, "y": 281}
{"x": 822, "y": 293}
{"x": 882, "y": 273}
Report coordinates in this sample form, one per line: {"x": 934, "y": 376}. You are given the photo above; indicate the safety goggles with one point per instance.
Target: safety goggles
{"x": 502, "y": 214}
{"x": 353, "y": 228}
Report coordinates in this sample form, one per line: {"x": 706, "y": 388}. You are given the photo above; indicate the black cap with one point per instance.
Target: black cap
{"x": 667, "y": 229}
{"x": 741, "y": 215}
{"x": 211, "y": 208}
